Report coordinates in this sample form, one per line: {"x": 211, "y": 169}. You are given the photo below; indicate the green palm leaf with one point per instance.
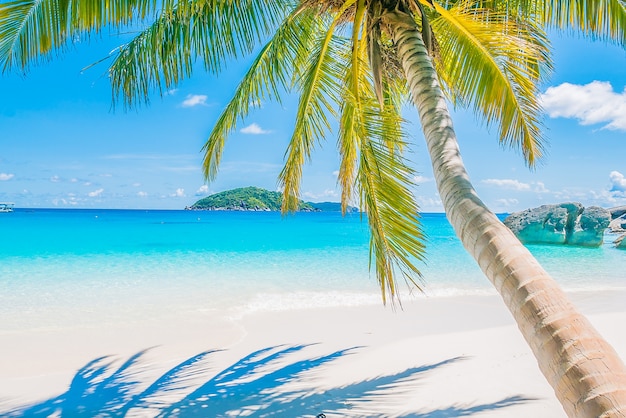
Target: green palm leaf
{"x": 348, "y": 144}
{"x": 318, "y": 82}
{"x": 31, "y": 29}
{"x": 489, "y": 61}
{"x": 372, "y": 137}
{"x": 386, "y": 180}
{"x": 166, "y": 52}
{"x": 270, "y": 73}
{"x": 602, "y": 19}
{"x": 349, "y": 139}
{"x": 396, "y": 241}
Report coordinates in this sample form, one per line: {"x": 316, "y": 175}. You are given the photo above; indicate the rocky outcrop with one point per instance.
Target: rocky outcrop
{"x": 618, "y": 219}
{"x": 589, "y": 227}
{"x": 565, "y": 223}
{"x": 620, "y": 242}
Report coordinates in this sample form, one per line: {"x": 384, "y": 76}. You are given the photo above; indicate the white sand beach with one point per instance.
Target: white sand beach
{"x": 437, "y": 357}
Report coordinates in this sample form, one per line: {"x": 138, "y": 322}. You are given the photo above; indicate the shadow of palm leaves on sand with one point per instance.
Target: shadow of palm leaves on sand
{"x": 460, "y": 411}
{"x": 263, "y": 384}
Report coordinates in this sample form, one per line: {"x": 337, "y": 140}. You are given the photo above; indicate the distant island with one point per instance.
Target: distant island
{"x": 257, "y": 199}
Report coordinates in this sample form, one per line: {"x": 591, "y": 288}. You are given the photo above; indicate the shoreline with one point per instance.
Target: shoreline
{"x": 457, "y": 353}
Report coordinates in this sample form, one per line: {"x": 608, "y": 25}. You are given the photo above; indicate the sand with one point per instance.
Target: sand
{"x": 437, "y": 357}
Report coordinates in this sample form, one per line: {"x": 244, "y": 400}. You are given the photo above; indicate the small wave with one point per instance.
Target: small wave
{"x": 449, "y": 292}
{"x": 594, "y": 288}
{"x": 302, "y": 300}
{"x": 276, "y": 302}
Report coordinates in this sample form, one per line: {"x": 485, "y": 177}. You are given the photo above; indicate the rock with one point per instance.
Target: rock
{"x": 618, "y": 219}
{"x": 617, "y": 212}
{"x": 546, "y": 224}
{"x": 618, "y": 224}
{"x": 565, "y": 223}
{"x": 620, "y": 242}
{"x": 589, "y": 227}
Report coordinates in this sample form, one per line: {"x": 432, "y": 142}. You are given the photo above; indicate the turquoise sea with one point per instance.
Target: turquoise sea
{"x": 63, "y": 268}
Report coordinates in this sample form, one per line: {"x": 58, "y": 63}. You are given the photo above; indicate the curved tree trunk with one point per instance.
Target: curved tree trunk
{"x": 587, "y": 375}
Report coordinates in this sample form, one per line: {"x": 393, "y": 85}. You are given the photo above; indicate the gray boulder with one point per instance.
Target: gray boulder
{"x": 620, "y": 242}
{"x": 618, "y": 219}
{"x": 589, "y": 227}
{"x": 566, "y": 223}
{"x": 617, "y": 211}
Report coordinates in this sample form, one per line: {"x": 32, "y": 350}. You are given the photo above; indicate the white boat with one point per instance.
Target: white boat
{"x": 6, "y": 207}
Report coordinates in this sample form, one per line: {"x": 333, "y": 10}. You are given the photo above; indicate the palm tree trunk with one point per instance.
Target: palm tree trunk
{"x": 587, "y": 375}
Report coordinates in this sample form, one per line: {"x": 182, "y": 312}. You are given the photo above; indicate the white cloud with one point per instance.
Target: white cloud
{"x": 618, "y": 182}
{"x": 57, "y": 202}
{"x": 569, "y": 194}
{"x": 540, "y": 188}
{"x": 178, "y": 193}
{"x": 507, "y": 202}
{"x": 55, "y": 179}
{"x": 422, "y": 179}
{"x": 248, "y": 167}
{"x": 194, "y": 100}
{"x": 149, "y": 157}
{"x": 602, "y": 198}
{"x": 181, "y": 169}
{"x": 203, "y": 190}
{"x": 326, "y": 194}
{"x": 96, "y": 193}
{"x": 612, "y": 195}
{"x": 254, "y": 129}
{"x": 593, "y": 103}
{"x": 508, "y": 184}
{"x": 142, "y": 194}
{"x": 429, "y": 204}
{"x": 6, "y": 176}
{"x": 171, "y": 92}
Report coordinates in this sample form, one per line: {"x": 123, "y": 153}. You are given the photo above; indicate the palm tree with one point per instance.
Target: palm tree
{"x": 358, "y": 61}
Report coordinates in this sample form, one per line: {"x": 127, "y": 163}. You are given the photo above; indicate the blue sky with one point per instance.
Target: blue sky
{"x": 61, "y": 144}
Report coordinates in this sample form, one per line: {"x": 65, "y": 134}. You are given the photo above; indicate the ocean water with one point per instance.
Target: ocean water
{"x": 80, "y": 267}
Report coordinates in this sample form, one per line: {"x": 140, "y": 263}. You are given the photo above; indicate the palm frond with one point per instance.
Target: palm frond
{"x": 396, "y": 241}
{"x": 269, "y": 74}
{"x": 348, "y": 144}
{"x": 601, "y": 19}
{"x": 320, "y": 93}
{"x": 348, "y": 140}
{"x": 212, "y": 31}
{"x": 30, "y": 30}
{"x": 491, "y": 62}
{"x": 89, "y": 15}
{"x": 372, "y": 149}
{"x": 374, "y": 51}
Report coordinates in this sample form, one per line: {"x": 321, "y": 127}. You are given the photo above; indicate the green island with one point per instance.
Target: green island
{"x": 258, "y": 199}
